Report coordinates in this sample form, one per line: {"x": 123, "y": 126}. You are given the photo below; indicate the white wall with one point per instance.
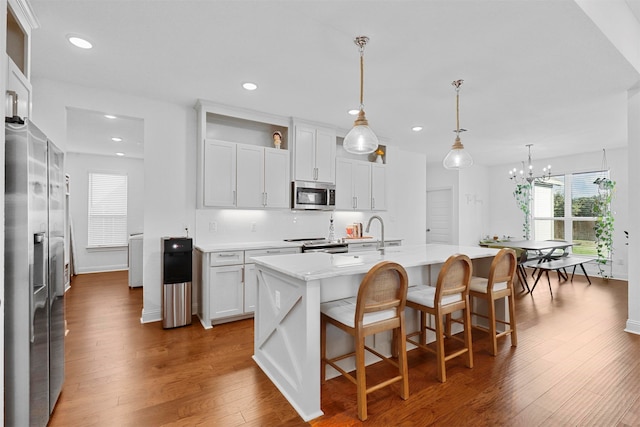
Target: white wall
{"x": 439, "y": 178}
{"x": 3, "y": 88}
{"x": 169, "y": 172}
{"x": 506, "y": 218}
{"x": 78, "y": 167}
{"x": 473, "y": 201}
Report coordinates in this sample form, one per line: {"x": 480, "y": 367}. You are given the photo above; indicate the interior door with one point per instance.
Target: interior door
{"x": 439, "y": 215}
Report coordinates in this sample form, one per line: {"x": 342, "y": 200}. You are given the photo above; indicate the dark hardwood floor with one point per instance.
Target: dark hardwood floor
{"x": 574, "y": 365}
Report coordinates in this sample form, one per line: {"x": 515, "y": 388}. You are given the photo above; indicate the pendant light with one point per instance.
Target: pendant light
{"x": 458, "y": 157}
{"x": 361, "y": 139}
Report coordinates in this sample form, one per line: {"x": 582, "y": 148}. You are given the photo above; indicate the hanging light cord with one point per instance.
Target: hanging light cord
{"x": 456, "y": 84}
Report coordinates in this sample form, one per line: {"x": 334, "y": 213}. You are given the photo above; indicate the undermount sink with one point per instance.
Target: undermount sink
{"x": 346, "y": 260}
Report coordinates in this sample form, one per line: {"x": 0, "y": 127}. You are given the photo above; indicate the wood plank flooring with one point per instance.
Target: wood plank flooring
{"x": 574, "y": 365}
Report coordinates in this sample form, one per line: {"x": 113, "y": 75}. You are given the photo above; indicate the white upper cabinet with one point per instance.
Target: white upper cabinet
{"x": 314, "y": 154}
{"x": 237, "y": 164}
{"x": 360, "y": 185}
{"x": 219, "y": 173}
{"x": 250, "y": 176}
{"x": 277, "y": 186}
{"x": 378, "y": 187}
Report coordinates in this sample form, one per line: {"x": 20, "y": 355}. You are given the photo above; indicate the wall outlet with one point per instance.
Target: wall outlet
{"x": 277, "y": 299}
{"x": 213, "y": 227}
{"x": 253, "y": 226}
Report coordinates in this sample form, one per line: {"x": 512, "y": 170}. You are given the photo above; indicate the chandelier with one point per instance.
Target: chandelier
{"x": 457, "y": 158}
{"x": 520, "y": 177}
{"x": 361, "y": 139}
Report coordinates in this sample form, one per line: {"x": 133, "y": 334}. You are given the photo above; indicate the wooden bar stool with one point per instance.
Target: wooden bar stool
{"x": 499, "y": 285}
{"x": 450, "y": 294}
{"x": 378, "y": 307}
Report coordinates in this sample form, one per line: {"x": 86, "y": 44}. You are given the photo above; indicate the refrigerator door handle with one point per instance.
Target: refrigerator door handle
{"x": 38, "y": 276}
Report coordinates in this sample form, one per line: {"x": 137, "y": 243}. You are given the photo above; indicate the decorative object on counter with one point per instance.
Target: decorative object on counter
{"x": 604, "y": 220}
{"x": 350, "y": 231}
{"x": 457, "y": 158}
{"x": 332, "y": 234}
{"x": 379, "y": 154}
{"x": 521, "y": 178}
{"x": 361, "y": 139}
{"x": 277, "y": 139}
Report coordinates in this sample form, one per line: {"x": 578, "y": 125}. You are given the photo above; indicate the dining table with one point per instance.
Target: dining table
{"x": 543, "y": 251}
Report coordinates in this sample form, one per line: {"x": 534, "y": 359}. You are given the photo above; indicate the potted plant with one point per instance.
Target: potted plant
{"x": 522, "y": 193}
{"x": 604, "y": 225}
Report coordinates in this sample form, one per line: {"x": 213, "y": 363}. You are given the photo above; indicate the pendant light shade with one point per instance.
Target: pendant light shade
{"x": 458, "y": 157}
{"x": 361, "y": 139}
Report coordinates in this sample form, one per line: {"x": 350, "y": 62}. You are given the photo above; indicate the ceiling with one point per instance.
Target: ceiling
{"x": 535, "y": 72}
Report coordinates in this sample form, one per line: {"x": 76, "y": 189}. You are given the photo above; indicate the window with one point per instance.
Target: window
{"x": 107, "y": 210}
{"x": 563, "y": 210}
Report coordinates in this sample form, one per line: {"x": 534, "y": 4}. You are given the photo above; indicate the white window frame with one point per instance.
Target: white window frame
{"x": 107, "y": 211}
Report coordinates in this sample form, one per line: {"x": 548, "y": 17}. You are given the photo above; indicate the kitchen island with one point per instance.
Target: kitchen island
{"x": 287, "y": 318}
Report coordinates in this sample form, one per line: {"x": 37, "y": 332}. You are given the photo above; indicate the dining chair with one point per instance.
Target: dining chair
{"x": 379, "y": 306}
{"x": 497, "y": 286}
{"x": 450, "y": 295}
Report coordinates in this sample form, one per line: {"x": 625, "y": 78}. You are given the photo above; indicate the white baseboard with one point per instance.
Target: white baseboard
{"x": 149, "y": 316}
{"x": 633, "y": 326}
{"x": 102, "y": 269}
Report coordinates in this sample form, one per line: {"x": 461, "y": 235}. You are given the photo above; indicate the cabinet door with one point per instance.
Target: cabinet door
{"x": 219, "y": 173}
{"x": 362, "y": 185}
{"x": 378, "y": 187}
{"x": 250, "y": 288}
{"x": 344, "y": 184}
{"x": 226, "y": 293}
{"x": 325, "y": 155}
{"x": 276, "y": 178}
{"x": 304, "y": 154}
{"x": 250, "y": 176}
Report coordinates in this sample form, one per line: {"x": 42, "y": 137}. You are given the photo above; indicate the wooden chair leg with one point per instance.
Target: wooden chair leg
{"x": 361, "y": 381}
{"x": 423, "y": 328}
{"x": 394, "y": 343}
{"x": 402, "y": 360}
{"x": 442, "y": 376}
{"x": 512, "y": 321}
{"x": 323, "y": 349}
{"x": 492, "y": 326}
{"x": 467, "y": 335}
{"x": 447, "y": 329}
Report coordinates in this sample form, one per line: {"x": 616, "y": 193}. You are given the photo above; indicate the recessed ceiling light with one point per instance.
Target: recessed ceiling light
{"x": 110, "y": 116}
{"x": 116, "y": 139}
{"x": 416, "y": 128}
{"x": 354, "y": 112}
{"x": 79, "y": 42}
{"x": 120, "y": 154}
{"x": 250, "y": 86}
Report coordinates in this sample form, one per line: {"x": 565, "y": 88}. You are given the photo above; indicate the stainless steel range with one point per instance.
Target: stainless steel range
{"x": 321, "y": 245}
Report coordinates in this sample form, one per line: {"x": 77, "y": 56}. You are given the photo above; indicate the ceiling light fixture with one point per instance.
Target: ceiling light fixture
{"x": 457, "y": 158}
{"x": 361, "y": 139}
{"x": 79, "y": 42}
{"x": 416, "y": 128}
{"x": 521, "y": 178}
{"x": 110, "y": 116}
{"x": 250, "y": 86}
{"x": 354, "y": 112}
{"x": 120, "y": 154}
{"x": 116, "y": 139}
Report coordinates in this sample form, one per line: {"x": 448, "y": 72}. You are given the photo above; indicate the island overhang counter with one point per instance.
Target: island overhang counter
{"x": 290, "y": 291}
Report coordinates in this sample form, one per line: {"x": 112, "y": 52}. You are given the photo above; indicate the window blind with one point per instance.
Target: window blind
{"x": 107, "y": 210}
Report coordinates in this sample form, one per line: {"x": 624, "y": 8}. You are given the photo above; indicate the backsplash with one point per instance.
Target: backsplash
{"x": 237, "y": 225}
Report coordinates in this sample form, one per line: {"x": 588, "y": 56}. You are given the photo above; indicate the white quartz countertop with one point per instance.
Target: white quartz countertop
{"x": 241, "y": 246}
{"x": 320, "y": 265}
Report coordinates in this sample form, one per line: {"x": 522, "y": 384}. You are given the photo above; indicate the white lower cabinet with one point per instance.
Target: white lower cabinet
{"x": 232, "y": 283}
{"x": 226, "y": 293}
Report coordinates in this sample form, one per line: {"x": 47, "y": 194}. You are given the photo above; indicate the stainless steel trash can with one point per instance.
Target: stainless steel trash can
{"x": 176, "y": 281}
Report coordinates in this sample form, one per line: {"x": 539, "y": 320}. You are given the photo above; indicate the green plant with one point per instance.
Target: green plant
{"x": 604, "y": 225}
{"x": 522, "y": 194}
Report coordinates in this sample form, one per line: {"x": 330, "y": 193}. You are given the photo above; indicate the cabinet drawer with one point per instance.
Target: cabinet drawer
{"x": 267, "y": 252}
{"x": 393, "y": 243}
{"x": 358, "y": 247}
{"x": 226, "y": 258}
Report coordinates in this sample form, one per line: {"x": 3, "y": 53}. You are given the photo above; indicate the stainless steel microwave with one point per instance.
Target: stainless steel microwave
{"x": 313, "y": 196}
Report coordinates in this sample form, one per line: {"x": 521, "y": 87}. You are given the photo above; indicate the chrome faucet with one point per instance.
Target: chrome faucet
{"x": 381, "y": 241}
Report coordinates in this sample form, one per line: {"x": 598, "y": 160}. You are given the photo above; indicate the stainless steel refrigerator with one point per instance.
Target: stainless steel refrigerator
{"x": 34, "y": 275}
